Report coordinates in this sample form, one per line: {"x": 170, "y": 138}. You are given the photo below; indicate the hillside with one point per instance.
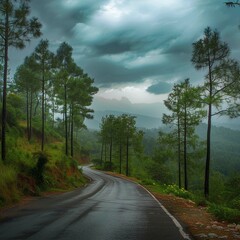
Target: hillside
{"x": 225, "y": 148}
{"x": 30, "y": 172}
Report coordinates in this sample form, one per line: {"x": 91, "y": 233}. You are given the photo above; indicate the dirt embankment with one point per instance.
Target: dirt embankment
{"x": 198, "y": 222}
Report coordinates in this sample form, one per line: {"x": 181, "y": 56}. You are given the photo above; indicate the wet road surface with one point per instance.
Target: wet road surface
{"x": 109, "y": 208}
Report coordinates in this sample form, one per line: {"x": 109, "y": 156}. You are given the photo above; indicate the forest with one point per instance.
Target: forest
{"x": 43, "y": 108}
{"x": 193, "y": 157}
{"x": 44, "y": 138}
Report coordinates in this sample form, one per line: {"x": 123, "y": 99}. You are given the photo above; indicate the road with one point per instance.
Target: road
{"x": 109, "y": 208}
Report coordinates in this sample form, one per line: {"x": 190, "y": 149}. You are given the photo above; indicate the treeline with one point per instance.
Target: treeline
{"x": 120, "y": 139}
{"x": 181, "y": 148}
{"x": 42, "y": 110}
{"x": 57, "y": 89}
{"x": 51, "y": 84}
{"x": 218, "y": 95}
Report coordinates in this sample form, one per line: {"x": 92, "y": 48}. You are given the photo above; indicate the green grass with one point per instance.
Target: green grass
{"x": 20, "y": 174}
{"x": 8, "y": 185}
{"x": 8, "y": 175}
{"x": 221, "y": 212}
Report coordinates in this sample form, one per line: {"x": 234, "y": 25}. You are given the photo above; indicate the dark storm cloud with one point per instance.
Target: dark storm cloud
{"x": 107, "y": 73}
{"x": 112, "y": 47}
{"x": 59, "y": 16}
{"x": 120, "y": 41}
{"x": 160, "y": 88}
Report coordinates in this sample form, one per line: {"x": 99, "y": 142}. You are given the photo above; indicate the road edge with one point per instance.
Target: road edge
{"x": 175, "y": 221}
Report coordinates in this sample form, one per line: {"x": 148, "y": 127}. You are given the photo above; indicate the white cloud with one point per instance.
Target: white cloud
{"x": 135, "y": 93}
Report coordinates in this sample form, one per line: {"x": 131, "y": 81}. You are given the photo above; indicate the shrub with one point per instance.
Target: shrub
{"x": 97, "y": 162}
{"x": 148, "y": 182}
{"x": 108, "y": 166}
{"x": 159, "y": 172}
{"x": 200, "y": 200}
{"x": 224, "y": 213}
{"x": 235, "y": 203}
{"x": 38, "y": 170}
{"x": 180, "y": 192}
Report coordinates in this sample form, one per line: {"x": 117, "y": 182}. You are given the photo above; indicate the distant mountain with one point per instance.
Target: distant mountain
{"x": 148, "y": 115}
{"x": 141, "y": 120}
{"x": 125, "y": 106}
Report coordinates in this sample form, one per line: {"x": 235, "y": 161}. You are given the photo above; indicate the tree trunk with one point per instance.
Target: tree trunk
{"x": 110, "y": 151}
{"x": 36, "y": 106}
{"x": 127, "y": 160}
{"x": 43, "y": 109}
{"x": 30, "y": 115}
{"x": 185, "y": 149}
{"x": 102, "y": 153}
{"x": 208, "y": 155}
{"x": 105, "y": 152}
{"x": 120, "y": 158}
{"x": 28, "y": 118}
{"x": 65, "y": 118}
{"x": 71, "y": 132}
{"x": 179, "y": 156}
{"x": 4, "y": 98}
{"x": 53, "y": 112}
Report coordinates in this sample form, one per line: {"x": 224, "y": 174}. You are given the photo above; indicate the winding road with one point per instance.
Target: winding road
{"x": 109, "y": 208}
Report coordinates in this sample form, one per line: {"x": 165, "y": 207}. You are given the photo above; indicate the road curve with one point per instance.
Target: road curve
{"x": 109, "y": 208}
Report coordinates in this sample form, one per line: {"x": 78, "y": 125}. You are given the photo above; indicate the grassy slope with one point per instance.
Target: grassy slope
{"x": 19, "y": 177}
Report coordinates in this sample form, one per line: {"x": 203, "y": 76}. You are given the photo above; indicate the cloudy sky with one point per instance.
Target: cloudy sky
{"x": 135, "y": 49}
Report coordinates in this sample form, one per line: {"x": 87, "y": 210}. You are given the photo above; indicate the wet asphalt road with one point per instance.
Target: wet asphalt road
{"x": 109, "y": 208}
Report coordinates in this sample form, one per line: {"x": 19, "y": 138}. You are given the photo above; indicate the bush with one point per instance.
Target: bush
{"x": 235, "y": 203}
{"x": 38, "y": 170}
{"x": 217, "y": 188}
{"x": 224, "y": 213}
{"x": 200, "y": 200}
{"x": 97, "y": 162}
{"x": 180, "y": 192}
{"x": 148, "y": 182}
{"x": 159, "y": 172}
{"x": 108, "y": 166}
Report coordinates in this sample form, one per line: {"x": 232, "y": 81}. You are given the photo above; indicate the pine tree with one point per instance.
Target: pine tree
{"x": 221, "y": 80}
{"x": 16, "y": 28}
{"x": 185, "y": 105}
{"x": 44, "y": 59}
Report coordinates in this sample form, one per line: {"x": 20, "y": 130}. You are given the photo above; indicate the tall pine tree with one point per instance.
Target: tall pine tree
{"x": 16, "y": 28}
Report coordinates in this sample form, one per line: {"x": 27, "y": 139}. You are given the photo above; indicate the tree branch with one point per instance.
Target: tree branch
{"x": 232, "y": 4}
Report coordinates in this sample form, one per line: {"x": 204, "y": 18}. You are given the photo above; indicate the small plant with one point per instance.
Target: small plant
{"x": 180, "y": 192}
{"x": 235, "y": 203}
{"x": 148, "y": 182}
{"x": 200, "y": 200}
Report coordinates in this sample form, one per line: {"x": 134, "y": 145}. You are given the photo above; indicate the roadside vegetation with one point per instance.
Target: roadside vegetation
{"x": 43, "y": 108}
